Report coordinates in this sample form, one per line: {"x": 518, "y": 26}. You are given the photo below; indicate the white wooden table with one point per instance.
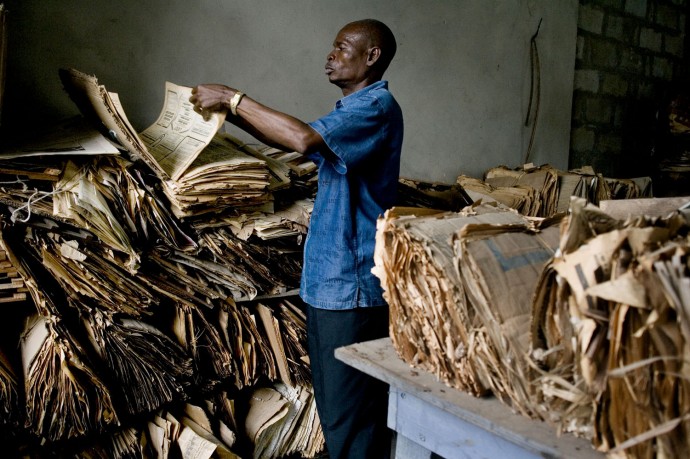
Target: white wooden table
{"x": 431, "y": 419}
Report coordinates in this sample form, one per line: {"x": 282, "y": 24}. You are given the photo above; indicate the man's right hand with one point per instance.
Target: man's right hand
{"x": 211, "y": 97}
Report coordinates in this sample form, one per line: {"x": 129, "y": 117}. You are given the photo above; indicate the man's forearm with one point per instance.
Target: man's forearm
{"x": 275, "y": 128}
{"x": 270, "y": 126}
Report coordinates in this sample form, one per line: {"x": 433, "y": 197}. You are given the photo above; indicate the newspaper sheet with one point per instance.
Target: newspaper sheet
{"x": 72, "y": 137}
{"x": 169, "y": 145}
{"x": 179, "y": 134}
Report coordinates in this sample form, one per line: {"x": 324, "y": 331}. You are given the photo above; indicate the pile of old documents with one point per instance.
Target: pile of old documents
{"x": 543, "y": 191}
{"x": 429, "y": 317}
{"x": 582, "y": 321}
{"x": 221, "y": 178}
{"x": 611, "y": 333}
{"x": 161, "y": 277}
{"x": 499, "y": 257}
{"x": 282, "y": 420}
{"x": 456, "y": 285}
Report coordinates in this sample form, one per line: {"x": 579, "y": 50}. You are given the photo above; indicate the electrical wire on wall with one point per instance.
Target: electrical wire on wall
{"x": 534, "y": 90}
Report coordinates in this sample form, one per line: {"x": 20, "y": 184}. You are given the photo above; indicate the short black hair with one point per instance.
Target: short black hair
{"x": 379, "y": 35}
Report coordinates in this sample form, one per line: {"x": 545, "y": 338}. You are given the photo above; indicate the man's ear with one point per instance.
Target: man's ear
{"x": 373, "y": 55}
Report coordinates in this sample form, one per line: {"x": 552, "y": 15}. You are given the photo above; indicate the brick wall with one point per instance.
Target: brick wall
{"x": 629, "y": 63}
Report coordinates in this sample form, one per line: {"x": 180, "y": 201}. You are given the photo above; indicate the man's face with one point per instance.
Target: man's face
{"x": 346, "y": 64}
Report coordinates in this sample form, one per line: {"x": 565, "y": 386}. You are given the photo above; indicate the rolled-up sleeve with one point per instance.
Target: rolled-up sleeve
{"x": 352, "y": 131}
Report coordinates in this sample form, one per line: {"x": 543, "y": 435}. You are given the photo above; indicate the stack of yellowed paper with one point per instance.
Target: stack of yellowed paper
{"x": 433, "y": 324}
{"x": 202, "y": 171}
{"x": 582, "y": 183}
{"x": 65, "y": 398}
{"x": 168, "y": 146}
{"x": 583, "y": 322}
{"x": 71, "y": 138}
{"x": 517, "y": 197}
{"x": 148, "y": 370}
{"x": 88, "y": 276}
{"x": 138, "y": 310}
{"x": 196, "y": 280}
{"x": 284, "y": 327}
{"x": 459, "y": 286}
{"x": 294, "y": 336}
{"x": 147, "y": 367}
{"x": 500, "y": 257}
{"x": 270, "y": 268}
{"x": 296, "y": 163}
{"x": 250, "y": 353}
{"x": 287, "y": 220}
{"x": 280, "y": 171}
{"x": 545, "y": 191}
{"x": 261, "y": 343}
{"x": 611, "y": 334}
{"x": 639, "y": 187}
{"x": 105, "y": 198}
{"x": 194, "y": 431}
{"x": 282, "y": 420}
{"x": 79, "y": 197}
{"x": 94, "y": 280}
{"x": 414, "y": 262}
{"x": 221, "y": 178}
{"x": 300, "y": 170}
{"x": 543, "y": 180}
{"x": 201, "y": 337}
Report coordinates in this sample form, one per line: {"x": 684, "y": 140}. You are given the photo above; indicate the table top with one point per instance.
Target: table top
{"x": 378, "y": 359}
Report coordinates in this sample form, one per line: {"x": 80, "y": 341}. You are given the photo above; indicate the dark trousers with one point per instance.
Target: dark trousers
{"x": 352, "y": 406}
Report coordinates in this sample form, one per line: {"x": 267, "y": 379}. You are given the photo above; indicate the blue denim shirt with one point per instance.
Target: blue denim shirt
{"x": 358, "y": 180}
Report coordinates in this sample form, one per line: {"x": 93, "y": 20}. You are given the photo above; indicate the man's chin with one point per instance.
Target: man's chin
{"x": 335, "y": 81}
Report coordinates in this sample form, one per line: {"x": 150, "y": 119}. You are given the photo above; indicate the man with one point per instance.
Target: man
{"x": 357, "y": 148}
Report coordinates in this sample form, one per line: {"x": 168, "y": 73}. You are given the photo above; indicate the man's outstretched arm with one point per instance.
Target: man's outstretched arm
{"x": 270, "y": 126}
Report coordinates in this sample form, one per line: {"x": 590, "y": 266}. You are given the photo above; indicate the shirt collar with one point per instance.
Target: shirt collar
{"x": 381, "y": 84}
